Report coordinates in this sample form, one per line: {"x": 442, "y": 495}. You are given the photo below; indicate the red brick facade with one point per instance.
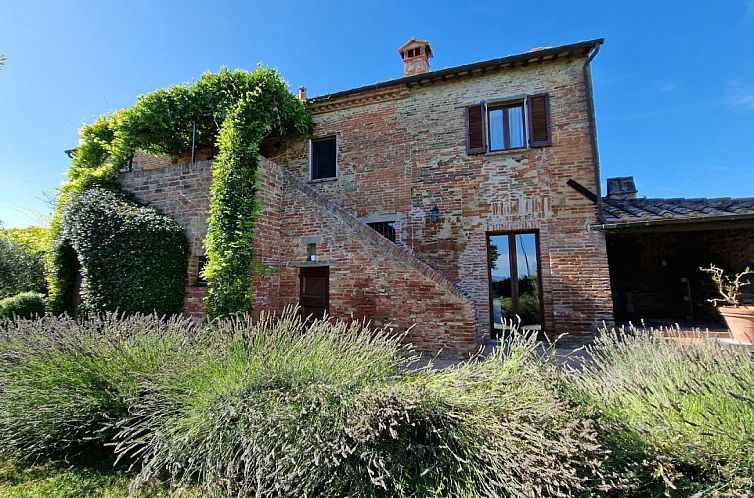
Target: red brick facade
{"x": 401, "y": 152}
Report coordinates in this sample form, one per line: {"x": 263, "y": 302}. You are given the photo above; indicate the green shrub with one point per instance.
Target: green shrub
{"x": 274, "y": 407}
{"x": 21, "y": 267}
{"x": 133, "y": 258}
{"x": 64, "y": 385}
{"x": 680, "y": 412}
{"x": 285, "y": 410}
{"x": 488, "y": 428}
{"x": 264, "y": 410}
{"x": 23, "y": 305}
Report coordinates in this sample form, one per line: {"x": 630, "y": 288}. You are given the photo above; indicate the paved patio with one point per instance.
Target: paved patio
{"x": 571, "y": 350}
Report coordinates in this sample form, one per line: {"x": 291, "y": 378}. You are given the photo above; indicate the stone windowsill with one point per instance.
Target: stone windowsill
{"x": 324, "y": 180}
{"x": 308, "y": 264}
{"x": 511, "y": 152}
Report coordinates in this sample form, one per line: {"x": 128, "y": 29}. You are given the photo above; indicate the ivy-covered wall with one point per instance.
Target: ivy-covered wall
{"x": 230, "y": 112}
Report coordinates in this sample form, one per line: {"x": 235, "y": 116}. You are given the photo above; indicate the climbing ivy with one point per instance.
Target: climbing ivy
{"x": 229, "y": 111}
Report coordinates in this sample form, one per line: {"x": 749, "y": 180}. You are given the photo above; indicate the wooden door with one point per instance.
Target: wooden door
{"x": 314, "y": 296}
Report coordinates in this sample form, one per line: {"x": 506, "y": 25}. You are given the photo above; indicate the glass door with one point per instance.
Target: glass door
{"x": 514, "y": 277}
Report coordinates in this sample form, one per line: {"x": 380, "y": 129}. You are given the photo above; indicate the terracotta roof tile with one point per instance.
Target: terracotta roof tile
{"x": 623, "y": 211}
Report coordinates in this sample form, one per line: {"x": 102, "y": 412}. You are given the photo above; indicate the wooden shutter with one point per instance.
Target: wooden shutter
{"x": 475, "y": 130}
{"x": 539, "y": 120}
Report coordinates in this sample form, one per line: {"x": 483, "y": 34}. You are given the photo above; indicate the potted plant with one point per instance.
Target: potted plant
{"x": 738, "y": 317}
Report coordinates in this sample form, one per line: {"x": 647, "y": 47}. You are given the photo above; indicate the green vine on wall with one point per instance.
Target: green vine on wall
{"x": 232, "y": 111}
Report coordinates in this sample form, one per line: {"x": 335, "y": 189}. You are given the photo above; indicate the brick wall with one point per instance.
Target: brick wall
{"x": 370, "y": 277}
{"x": 733, "y": 249}
{"x": 401, "y": 152}
{"x": 181, "y": 190}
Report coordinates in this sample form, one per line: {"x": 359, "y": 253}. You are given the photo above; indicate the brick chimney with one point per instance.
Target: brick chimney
{"x": 302, "y": 93}
{"x": 621, "y": 188}
{"x": 415, "y": 54}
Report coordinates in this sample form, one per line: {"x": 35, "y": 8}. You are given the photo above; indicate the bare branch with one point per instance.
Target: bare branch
{"x": 728, "y": 287}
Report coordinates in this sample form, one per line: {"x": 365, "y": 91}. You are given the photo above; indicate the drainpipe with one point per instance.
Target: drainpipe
{"x": 593, "y": 130}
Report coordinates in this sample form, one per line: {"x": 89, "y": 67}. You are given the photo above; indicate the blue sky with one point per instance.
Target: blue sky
{"x": 674, "y": 82}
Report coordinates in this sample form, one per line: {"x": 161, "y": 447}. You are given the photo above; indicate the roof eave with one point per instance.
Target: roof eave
{"x": 583, "y": 48}
{"x": 643, "y": 225}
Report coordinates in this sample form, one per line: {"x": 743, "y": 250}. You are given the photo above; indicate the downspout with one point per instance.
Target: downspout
{"x": 593, "y": 130}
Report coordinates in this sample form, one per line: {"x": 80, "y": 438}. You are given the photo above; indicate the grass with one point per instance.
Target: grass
{"x": 19, "y": 480}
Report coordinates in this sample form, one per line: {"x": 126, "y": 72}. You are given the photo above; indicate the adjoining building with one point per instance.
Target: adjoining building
{"x": 655, "y": 248}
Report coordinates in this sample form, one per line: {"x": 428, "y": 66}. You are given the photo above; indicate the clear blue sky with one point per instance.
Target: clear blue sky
{"x": 674, "y": 82}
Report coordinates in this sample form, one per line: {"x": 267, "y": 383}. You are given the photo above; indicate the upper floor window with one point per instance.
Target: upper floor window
{"x": 323, "y": 158}
{"x": 509, "y": 125}
{"x": 506, "y": 126}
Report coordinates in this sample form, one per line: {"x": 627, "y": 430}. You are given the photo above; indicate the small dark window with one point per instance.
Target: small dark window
{"x": 200, "y": 280}
{"x": 385, "y": 228}
{"x": 323, "y": 158}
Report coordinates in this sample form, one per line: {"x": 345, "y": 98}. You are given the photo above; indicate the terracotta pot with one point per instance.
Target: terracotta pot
{"x": 740, "y": 321}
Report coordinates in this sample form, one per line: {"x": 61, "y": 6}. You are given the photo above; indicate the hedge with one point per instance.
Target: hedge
{"x": 23, "y": 305}
{"x": 133, "y": 259}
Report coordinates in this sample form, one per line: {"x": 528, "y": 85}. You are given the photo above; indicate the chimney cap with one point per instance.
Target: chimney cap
{"x": 622, "y": 187}
{"x": 413, "y": 43}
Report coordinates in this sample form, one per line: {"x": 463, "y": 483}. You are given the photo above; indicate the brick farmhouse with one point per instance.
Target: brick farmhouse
{"x": 447, "y": 201}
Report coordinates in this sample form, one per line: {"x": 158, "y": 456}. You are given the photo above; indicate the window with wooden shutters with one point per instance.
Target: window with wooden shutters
{"x": 539, "y": 120}
{"x": 475, "y": 129}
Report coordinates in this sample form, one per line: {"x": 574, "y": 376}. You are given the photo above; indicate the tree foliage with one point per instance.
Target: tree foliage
{"x": 21, "y": 261}
{"x": 33, "y": 237}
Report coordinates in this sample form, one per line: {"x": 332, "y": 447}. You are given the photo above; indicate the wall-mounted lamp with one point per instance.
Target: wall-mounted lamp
{"x": 434, "y": 214}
